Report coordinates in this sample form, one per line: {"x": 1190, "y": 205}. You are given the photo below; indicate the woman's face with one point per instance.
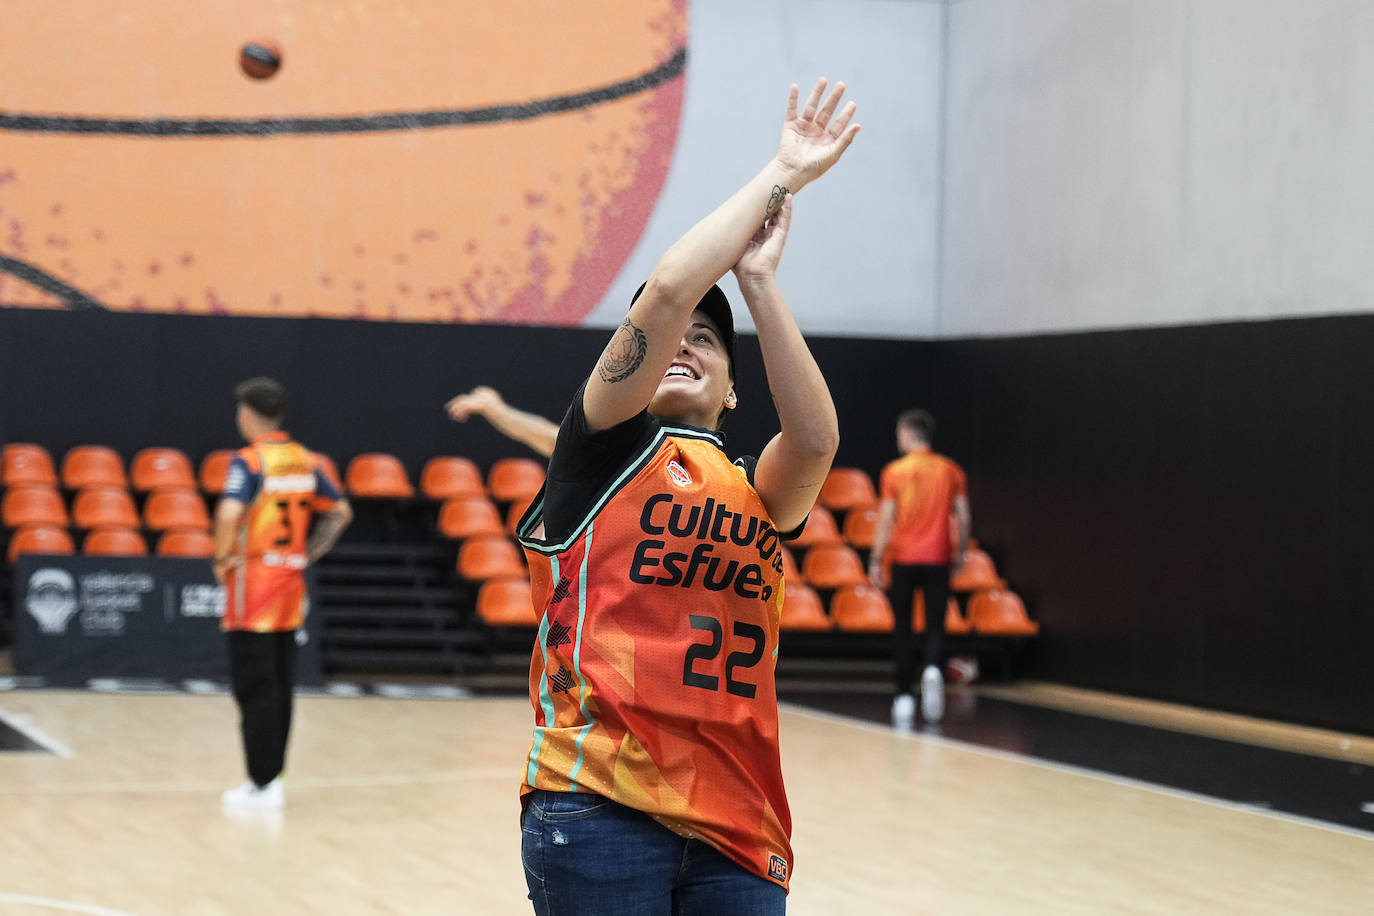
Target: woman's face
{"x": 697, "y": 386}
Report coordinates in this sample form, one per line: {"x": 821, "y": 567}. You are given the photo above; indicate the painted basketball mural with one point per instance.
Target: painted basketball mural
{"x": 446, "y": 160}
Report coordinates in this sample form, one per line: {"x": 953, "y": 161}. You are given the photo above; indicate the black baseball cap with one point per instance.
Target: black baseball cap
{"x": 717, "y": 308}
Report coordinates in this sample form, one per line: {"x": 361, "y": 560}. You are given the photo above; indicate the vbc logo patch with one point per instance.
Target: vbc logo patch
{"x": 777, "y": 868}
{"x": 51, "y": 599}
{"x": 679, "y": 474}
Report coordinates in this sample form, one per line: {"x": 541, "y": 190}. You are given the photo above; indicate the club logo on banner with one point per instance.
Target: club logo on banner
{"x": 102, "y": 599}
{"x": 51, "y": 599}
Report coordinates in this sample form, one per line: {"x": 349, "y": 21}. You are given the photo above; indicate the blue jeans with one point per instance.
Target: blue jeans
{"x": 586, "y": 855}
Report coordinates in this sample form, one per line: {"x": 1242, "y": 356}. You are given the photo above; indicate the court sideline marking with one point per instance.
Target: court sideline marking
{"x": 49, "y": 903}
{"x": 26, "y": 728}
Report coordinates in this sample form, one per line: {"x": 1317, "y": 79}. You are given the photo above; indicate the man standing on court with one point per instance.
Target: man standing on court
{"x": 263, "y": 542}
{"x": 919, "y": 491}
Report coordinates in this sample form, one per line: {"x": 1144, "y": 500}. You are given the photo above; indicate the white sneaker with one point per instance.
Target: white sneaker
{"x": 932, "y": 694}
{"x": 271, "y": 797}
{"x": 904, "y": 712}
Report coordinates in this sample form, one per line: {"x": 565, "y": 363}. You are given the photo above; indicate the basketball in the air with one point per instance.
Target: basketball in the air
{"x": 260, "y": 59}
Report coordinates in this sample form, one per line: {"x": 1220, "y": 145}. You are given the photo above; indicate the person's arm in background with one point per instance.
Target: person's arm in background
{"x": 324, "y": 534}
{"x": 632, "y": 365}
{"x": 240, "y": 485}
{"x": 887, "y": 514}
{"x": 527, "y": 428}
{"x": 793, "y": 465}
{"x": 332, "y": 515}
{"x": 228, "y": 516}
{"x": 963, "y": 526}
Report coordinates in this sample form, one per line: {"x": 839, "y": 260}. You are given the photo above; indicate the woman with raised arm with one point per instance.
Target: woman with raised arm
{"x": 653, "y": 784}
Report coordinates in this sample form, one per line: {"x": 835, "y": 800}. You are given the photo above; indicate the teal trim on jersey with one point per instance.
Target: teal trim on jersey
{"x": 545, "y": 699}
{"x": 664, "y": 432}
{"x": 577, "y": 648}
{"x": 526, "y": 523}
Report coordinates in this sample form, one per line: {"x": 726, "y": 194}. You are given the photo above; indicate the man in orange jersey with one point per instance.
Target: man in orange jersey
{"x": 654, "y": 783}
{"x": 274, "y": 490}
{"x": 919, "y": 491}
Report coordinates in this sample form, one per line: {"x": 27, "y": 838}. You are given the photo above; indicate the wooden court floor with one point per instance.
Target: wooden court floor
{"x": 408, "y": 806}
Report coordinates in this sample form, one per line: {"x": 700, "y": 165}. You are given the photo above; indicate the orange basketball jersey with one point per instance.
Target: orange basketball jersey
{"x": 652, "y": 675}
{"x": 283, "y": 487}
{"x": 924, "y": 486}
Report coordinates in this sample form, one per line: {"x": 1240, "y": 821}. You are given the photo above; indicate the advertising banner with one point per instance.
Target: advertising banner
{"x": 78, "y": 618}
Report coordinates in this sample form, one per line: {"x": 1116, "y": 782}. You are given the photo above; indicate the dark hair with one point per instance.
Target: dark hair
{"x": 266, "y": 397}
{"x": 919, "y": 422}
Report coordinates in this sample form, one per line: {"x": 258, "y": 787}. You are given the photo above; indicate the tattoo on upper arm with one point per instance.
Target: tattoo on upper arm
{"x": 775, "y": 200}
{"x": 623, "y": 354}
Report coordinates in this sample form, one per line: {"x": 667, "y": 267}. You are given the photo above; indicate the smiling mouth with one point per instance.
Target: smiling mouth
{"x": 681, "y": 372}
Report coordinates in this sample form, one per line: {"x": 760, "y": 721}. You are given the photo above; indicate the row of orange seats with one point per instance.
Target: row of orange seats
{"x": 103, "y": 507}
{"x": 109, "y": 542}
{"x": 865, "y": 609}
{"x": 370, "y": 475}
{"x": 505, "y": 600}
{"x": 374, "y": 474}
{"x": 829, "y": 566}
{"x": 26, "y": 464}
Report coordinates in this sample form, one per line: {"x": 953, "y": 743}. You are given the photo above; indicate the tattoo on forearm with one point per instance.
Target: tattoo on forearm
{"x": 775, "y": 200}
{"x": 623, "y": 354}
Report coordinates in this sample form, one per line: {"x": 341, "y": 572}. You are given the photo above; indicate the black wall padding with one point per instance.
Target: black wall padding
{"x": 1189, "y": 512}
{"x": 133, "y": 380}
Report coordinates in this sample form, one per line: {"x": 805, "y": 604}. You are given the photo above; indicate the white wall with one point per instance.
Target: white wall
{"x": 1138, "y": 162}
{"x": 861, "y": 256}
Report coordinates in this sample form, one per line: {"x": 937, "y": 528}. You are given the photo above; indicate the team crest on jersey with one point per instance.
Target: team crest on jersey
{"x": 777, "y": 868}
{"x": 679, "y": 474}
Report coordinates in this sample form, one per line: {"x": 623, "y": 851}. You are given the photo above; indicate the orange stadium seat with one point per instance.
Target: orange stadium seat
{"x": 104, "y": 507}
{"x": 214, "y": 470}
{"x": 802, "y": 610}
{"x": 93, "y": 466}
{"x": 977, "y": 574}
{"x": 514, "y": 512}
{"x": 161, "y": 469}
{"x": 490, "y": 556}
{"x": 114, "y": 542}
{"x": 833, "y": 566}
{"x": 955, "y": 624}
{"x": 861, "y": 609}
{"x": 998, "y": 612}
{"x": 820, "y": 529}
{"x": 506, "y": 603}
{"x": 185, "y": 542}
{"x": 514, "y": 478}
{"x": 41, "y": 539}
{"x": 465, "y": 518}
{"x": 175, "y": 509}
{"x": 33, "y": 505}
{"x": 376, "y": 475}
{"x": 448, "y": 477}
{"x": 26, "y": 464}
{"x": 790, "y": 571}
{"x": 861, "y": 525}
{"x": 845, "y": 488}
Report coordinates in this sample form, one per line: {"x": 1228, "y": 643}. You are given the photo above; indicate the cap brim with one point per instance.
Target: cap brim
{"x": 716, "y": 305}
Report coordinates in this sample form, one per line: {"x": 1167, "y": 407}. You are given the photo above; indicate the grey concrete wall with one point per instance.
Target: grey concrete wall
{"x": 1116, "y": 163}
{"x": 861, "y": 256}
